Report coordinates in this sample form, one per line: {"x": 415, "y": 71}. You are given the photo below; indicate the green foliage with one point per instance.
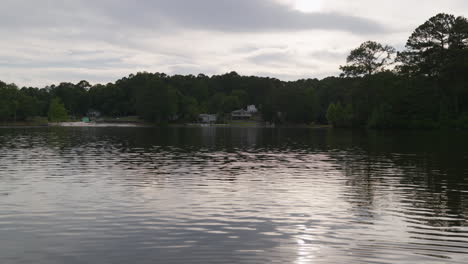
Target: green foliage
{"x": 156, "y": 101}
{"x": 462, "y": 121}
{"x": 57, "y": 111}
{"x": 15, "y": 104}
{"x": 189, "y": 108}
{"x": 241, "y": 95}
{"x": 26, "y": 106}
{"x": 340, "y": 116}
{"x": 8, "y": 101}
{"x": 332, "y": 114}
{"x": 74, "y": 97}
{"x": 381, "y": 117}
{"x": 230, "y": 103}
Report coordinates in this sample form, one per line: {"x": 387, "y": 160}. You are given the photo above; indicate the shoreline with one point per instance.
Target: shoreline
{"x": 149, "y": 125}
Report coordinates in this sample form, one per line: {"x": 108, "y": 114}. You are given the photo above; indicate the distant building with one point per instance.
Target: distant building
{"x": 240, "y": 114}
{"x": 174, "y": 117}
{"x": 94, "y": 113}
{"x": 252, "y": 109}
{"x": 243, "y": 114}
{"x": 207, "y": 118}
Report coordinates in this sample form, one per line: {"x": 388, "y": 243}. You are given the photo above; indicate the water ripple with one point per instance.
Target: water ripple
{"x": 140, "y": 195}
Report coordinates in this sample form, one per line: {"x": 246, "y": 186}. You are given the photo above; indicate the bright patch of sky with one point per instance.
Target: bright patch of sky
{"x": 308, "y": 5}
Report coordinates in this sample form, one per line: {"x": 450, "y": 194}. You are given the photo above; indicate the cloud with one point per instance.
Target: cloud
{"x": 90, "y": 63}
{"x": 328, "y": 54}
{"x": 216, "y": 15}
{"x": 400, "y": 15}
{"x": 272, "y": 57}
{"x": 256, "y": 16}
{"x": 52, "y": 41}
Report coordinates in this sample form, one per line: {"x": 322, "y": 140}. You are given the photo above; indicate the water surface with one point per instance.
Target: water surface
{"x": 221, "y": 195}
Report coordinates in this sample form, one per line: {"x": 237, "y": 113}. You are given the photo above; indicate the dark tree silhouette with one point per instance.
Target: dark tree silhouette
{"x": 431, "y": 45}
{"x": 369, "y": 58}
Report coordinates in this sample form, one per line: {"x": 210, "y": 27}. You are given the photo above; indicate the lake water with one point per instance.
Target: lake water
{"x": 221, "y": 195}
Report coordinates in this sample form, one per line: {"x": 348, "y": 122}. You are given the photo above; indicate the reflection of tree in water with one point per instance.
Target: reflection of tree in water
{"x": 365, "y": 192}
{"x": 414, "y": 183}
{"x": 427, "y": 171}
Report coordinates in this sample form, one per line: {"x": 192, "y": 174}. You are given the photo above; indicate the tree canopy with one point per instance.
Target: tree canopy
{"x": 432, "y": 46}
{"x": 57, "y": 111}
{"x": 369, "y": 58}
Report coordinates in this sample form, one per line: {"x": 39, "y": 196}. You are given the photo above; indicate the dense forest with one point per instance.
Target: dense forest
{"x": 423, "y": 86}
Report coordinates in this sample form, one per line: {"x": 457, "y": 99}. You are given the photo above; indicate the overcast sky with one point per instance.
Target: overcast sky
{"x": 52, "y": 41}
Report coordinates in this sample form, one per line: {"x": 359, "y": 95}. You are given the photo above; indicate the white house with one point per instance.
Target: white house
{"x": 252, "y": 109}
{"x": 243, "y": 114}
{"x": 94, "y": 113}
{"x": 207, "y": 118}
{"x": 240, "y": 114}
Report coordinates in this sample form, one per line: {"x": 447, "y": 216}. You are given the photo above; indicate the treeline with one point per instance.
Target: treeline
{"x": 424, "y": 86}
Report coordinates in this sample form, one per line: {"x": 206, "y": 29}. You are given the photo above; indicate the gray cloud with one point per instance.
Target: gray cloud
{"x": 272, "y": 57}
{"x": 50, "y": 41}
{"x": 329, "y": 55}
{"x": 255, "y": 15}
{"x": 89, "y": 63}
{"x": 217, "y": 15}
